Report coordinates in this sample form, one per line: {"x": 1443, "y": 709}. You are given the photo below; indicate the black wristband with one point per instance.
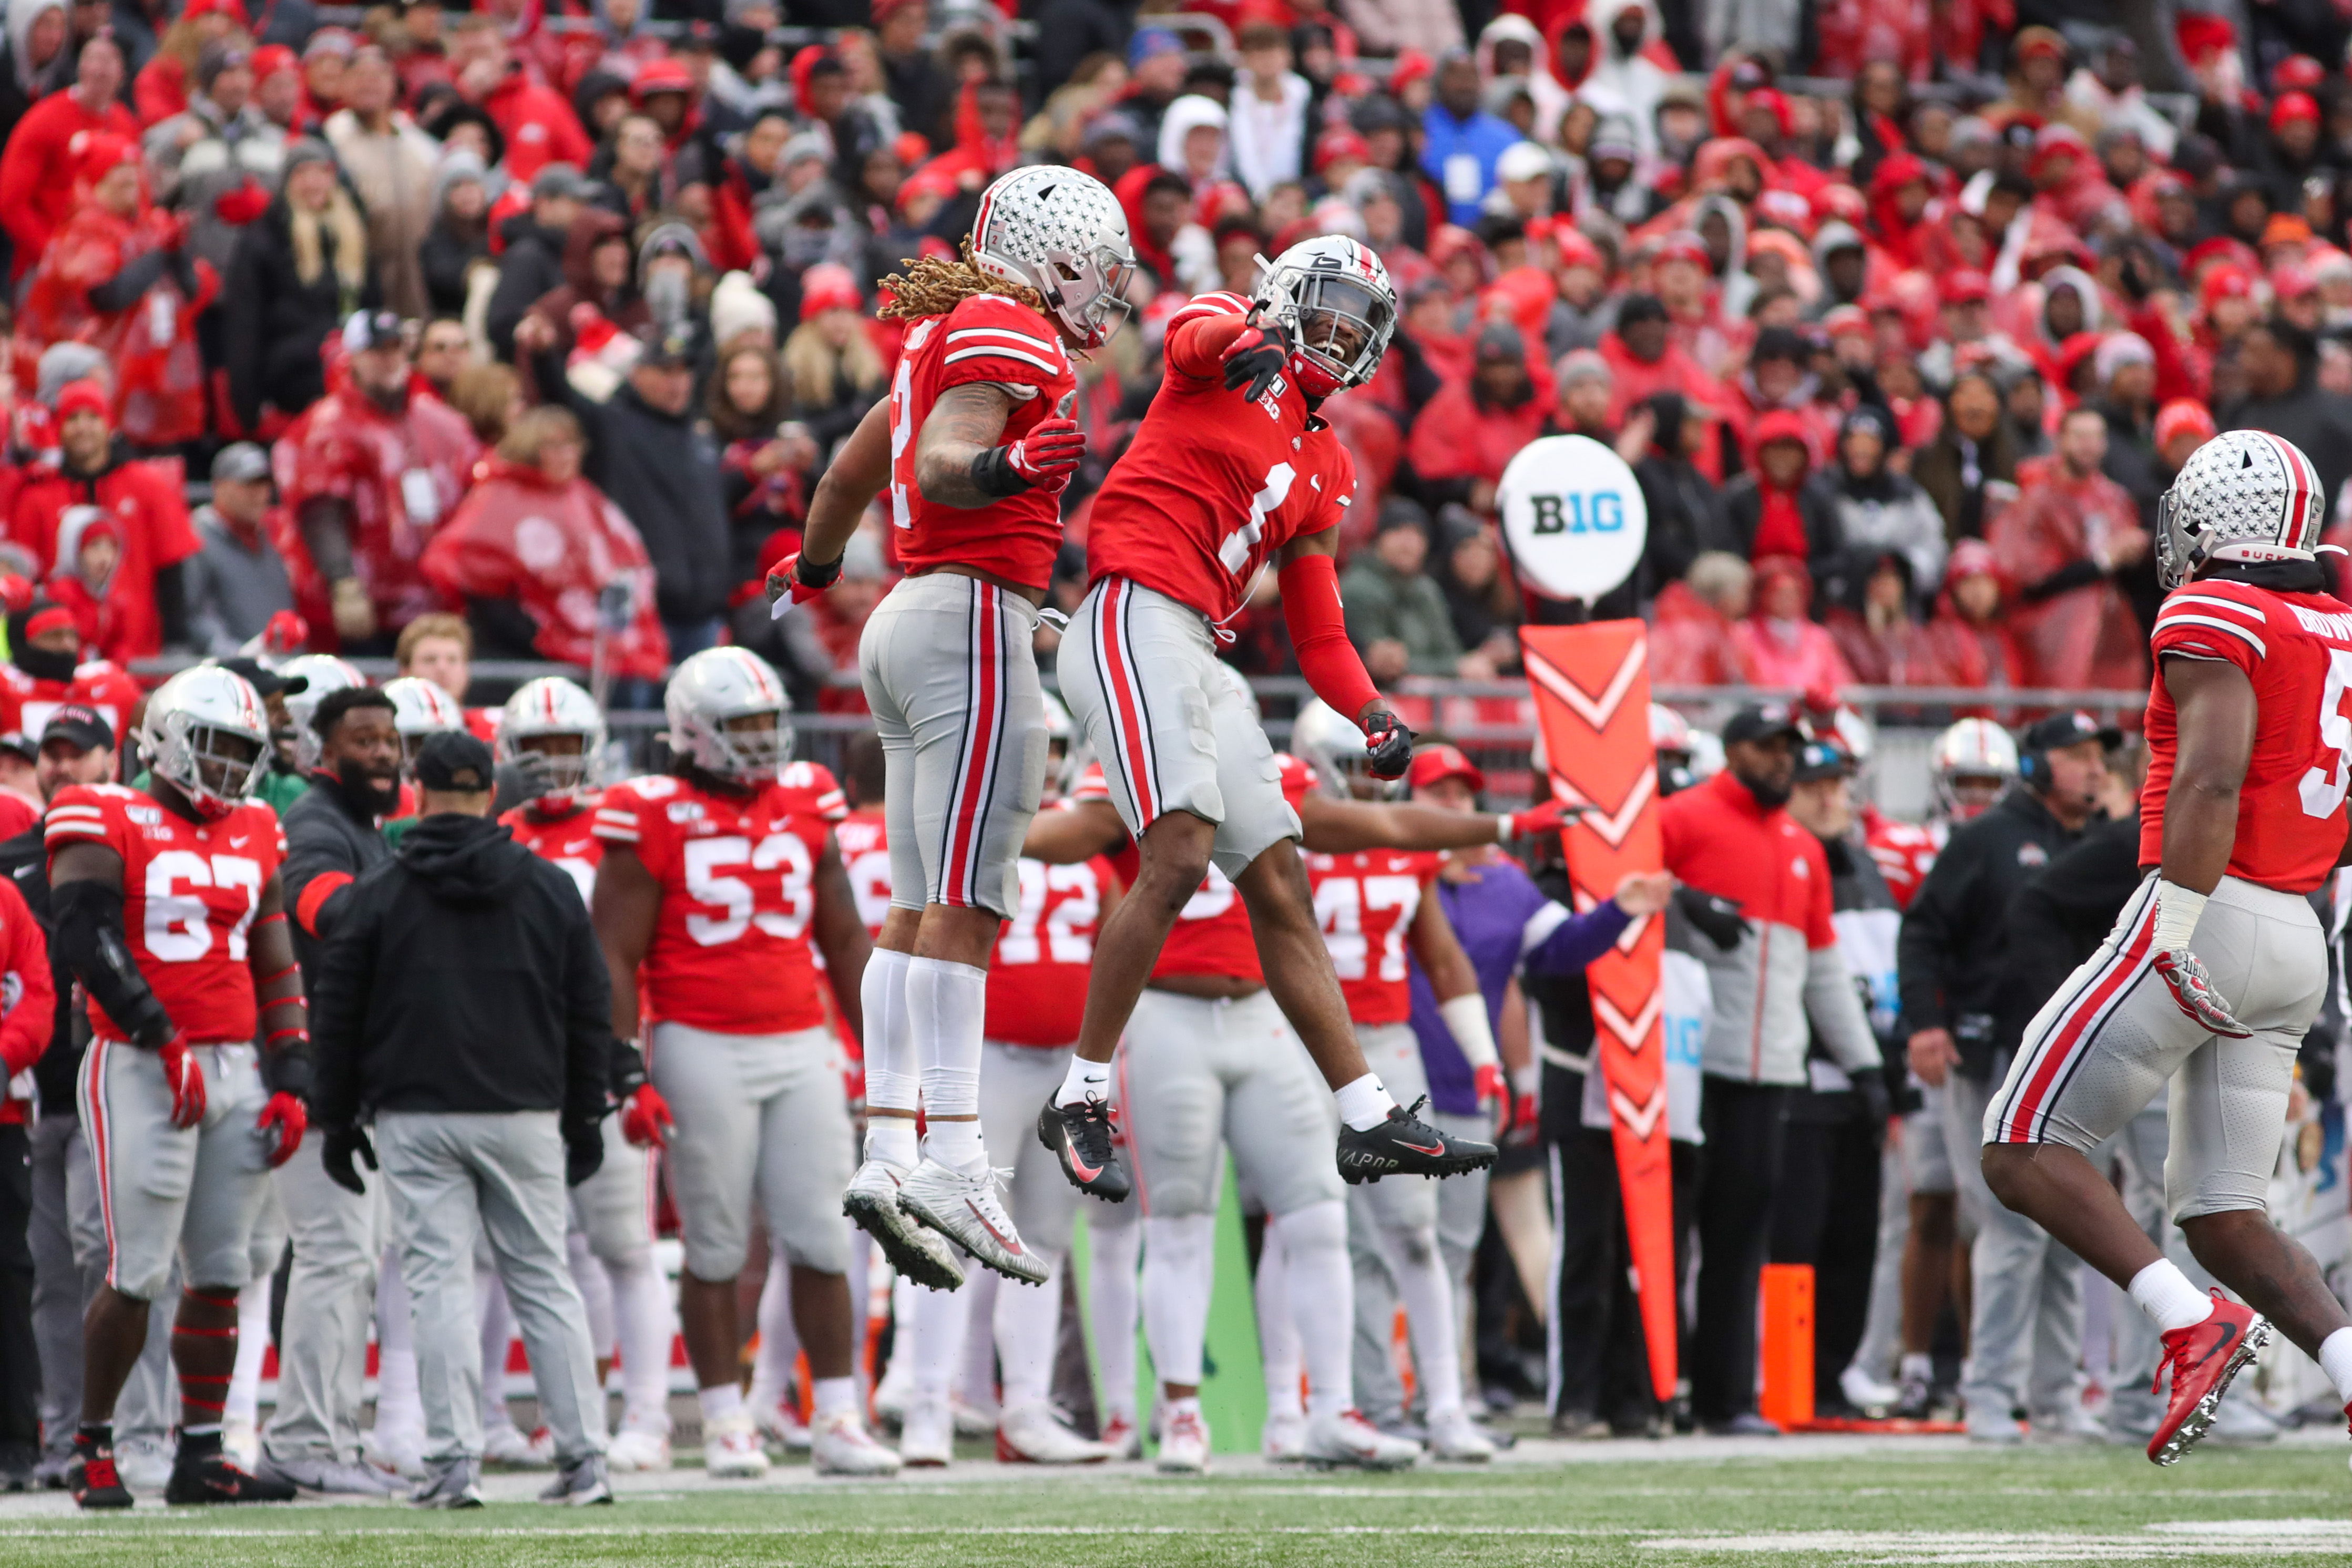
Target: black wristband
{"x": 625, "y": 1071}
{"x": 290, "y": 1070}
{"x": 994, "y": 473}
{"x": 817, "y": 573}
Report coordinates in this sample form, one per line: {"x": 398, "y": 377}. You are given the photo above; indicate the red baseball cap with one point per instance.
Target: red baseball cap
{"x": 2183, "y": 416}
{"x": 1432, "y": 763}
{"x": 2291, "y": 106}
{"x": 1966, "y": 287}
{"x": 82, "y": 397}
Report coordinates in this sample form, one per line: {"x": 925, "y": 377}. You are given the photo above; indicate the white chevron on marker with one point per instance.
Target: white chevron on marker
{"x": 1634, "y": 1032}
{"x": 1596, "y": 713}
{"x": 1613, "y": 826}
{"x": 1639, "y": 1119}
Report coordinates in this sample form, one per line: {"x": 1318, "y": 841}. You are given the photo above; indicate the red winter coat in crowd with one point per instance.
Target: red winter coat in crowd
{"x": 158, "y": 375}
{"x": 2079, "y": 637}
{"x": 538, "y": 125}
{"x": 1899, "y": 655}
{"x": 1691, "y": 642}
{"x": 550, "y": 548}
{"x": 36, "y": 171}
{"x": 1457, "y": 437}
{"x": 144, "y": 500}
{"x": 399, "y": 474}
{"x": 1800, "y": 653}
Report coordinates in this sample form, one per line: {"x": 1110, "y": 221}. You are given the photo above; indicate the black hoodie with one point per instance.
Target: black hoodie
{"x": 463, "y": 977}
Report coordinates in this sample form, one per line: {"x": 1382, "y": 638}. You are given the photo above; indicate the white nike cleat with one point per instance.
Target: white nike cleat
{"x": 1283, "y": 1438}
{"x": 872, "y": 1202}
{"x": 398, "y": 1448}
{"x": 1454, "y": 1436}
{"x": 1868, "y": 1394}
{"x": 505, "y": 1443}
{"x": 1348, "y": 1439}
{"x": 781, "y": 1424}
{"x": 1121, "y": 1437}
{"x": 926, "y": 1435}
{"x": 1031, "y": 1435}
{"x": 1184, "y": 1445}
{"x": 967, "y": 1210}
{"x": 241, "y": 1441}
{"x": 841, "y": 1446}
{"x": 731, "y": 1450}
{"x": 972, "y": 1420}
{"x": 637, "y": 1446}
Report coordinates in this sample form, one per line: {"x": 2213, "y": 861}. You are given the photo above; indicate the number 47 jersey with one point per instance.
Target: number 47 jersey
{"x": 189, "y": 893}
{"x": 2296, "y": 649}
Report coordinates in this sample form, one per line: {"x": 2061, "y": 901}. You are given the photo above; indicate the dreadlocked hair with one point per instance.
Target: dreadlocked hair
{"x": 933, "y": 287}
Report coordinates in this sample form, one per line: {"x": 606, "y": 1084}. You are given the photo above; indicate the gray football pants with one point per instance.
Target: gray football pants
{"x": 338, "y": 1237}
{"x": 67, "y": 1235}
{"x": 2025, "y": 1338}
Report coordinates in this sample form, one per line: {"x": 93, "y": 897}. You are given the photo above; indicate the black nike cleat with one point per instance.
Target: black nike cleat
{"x": 201, "y": 1473}
{"x": 1404, "y": 1144}
{"x": 1080, "y": 1137}
{"x": 92, "y": 1477}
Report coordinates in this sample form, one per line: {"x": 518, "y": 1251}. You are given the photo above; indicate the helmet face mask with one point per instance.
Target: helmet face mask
{"x": 729, "y": 716}
{"x": 1975, "y": 762}
{"x": 420, "y": 710}
{"x": 207, "y": 733}
{"x": 558, "y": 725}
{"x": 1333, "y": 297}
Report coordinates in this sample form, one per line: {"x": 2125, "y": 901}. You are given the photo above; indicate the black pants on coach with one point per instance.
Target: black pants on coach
{"x": 1827, "y": 1215}
{"x": 1739, "y": 1171}
{"x": 20, "y": 1359}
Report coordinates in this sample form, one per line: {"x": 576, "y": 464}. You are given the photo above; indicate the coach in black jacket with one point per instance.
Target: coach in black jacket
{"x": 464, "y": 1005}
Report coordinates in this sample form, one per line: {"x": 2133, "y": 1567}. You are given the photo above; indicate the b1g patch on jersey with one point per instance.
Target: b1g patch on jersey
{"x": 686, "y": 811}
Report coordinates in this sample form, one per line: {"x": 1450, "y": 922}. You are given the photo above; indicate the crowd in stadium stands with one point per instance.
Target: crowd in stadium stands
{"x": 1904, "y": 316}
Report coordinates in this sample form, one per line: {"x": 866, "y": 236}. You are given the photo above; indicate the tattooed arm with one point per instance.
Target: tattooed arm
{"x": 957, "y": 438}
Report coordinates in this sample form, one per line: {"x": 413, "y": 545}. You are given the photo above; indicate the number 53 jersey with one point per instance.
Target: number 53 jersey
{"x": 189, "y": 893}
{"x": 2296, "y": 649}
{"x": 737, "y": 875}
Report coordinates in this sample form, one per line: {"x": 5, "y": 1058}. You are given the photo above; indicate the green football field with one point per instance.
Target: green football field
{"x": 1656, "y": 1505}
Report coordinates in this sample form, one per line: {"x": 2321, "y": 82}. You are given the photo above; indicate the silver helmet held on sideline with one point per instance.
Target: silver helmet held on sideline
{"x": 320, "y": 673}
{"x": 1333, "y": 748}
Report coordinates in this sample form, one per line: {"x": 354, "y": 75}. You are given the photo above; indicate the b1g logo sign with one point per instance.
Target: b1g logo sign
{"x": 1573, "y": 516}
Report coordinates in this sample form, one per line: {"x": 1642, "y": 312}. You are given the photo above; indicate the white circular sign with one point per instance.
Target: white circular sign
{"x": 1573, "y": 516}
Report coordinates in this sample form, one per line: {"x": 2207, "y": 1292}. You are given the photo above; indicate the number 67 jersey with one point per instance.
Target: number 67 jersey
{"x": 2296, "y": 649}
{"x": 737, "y": 875}
{"x": 189, "y": 893}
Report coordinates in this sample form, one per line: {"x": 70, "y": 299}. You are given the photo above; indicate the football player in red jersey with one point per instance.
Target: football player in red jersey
{"x": 2216, "y": 966}
{"x": 1231, "y": 470}
{"x": 716, "y": 885}
{"x": 553, "y": 729}
{"x": 976, "y": 445}
{"x": 169, "y": 912}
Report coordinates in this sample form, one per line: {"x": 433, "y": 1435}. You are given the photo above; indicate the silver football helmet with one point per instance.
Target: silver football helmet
{"x": 207, "y": 733}
{"x": 420, "y": 709}
{"x": 2247, "y": 496}
{"x": 1973, "y": 749}
{"x": 709, "y": 696}
{"x": 1333, "y": 295}
{"x": 1064, "y": 235}
{"x": 552, "y": 707}
{"x": 320, "y": 673}
{"x": 1333, "y": 748}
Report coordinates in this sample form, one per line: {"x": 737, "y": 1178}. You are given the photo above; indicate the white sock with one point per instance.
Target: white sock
{"x": 1170, "y": 1407}
{"x": 2335, "y": 1359}
{"x": 931, "y": 1339}
{"x": 1179, "y": 1269}
{"x": 1111, "y": 1311}
{"x": 1414, "y": 1262}
{"x": 1322, "y": 1301}
{"x": 946, "y": 1005}
{"x": 890, "y": 1075}
{"x": 646, "y": 1326}
{"x": 892, "y": 1139}
{"x": 1918, "y": 1364}
{"x": 1028, "y": 1332}
{"x": 1365, "y": 1103}
{"x": 1084, "y": 1080}
{"x": 780, "y": 1340}
{"x": 2165, "y": 1294}
{"x": 1277, "y": 1334}
{"x": 720, "y": 1402}
{"x": 834, "y": 1394}
{"x": 252, "y": 1343}
{"x": 595, "y": 1288}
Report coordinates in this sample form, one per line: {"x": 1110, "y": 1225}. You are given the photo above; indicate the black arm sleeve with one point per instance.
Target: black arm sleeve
{"x": 502, "y": 629}
{"x": 2073, "y": 574}
{"x": 89, "y": 938}
{"x": 326, "y": 532}
{"x": 627, "y": 1074}
{"x": 172, "y": 603}
{"x": 123, "y": 290}
{"x": 587, "y": 1025}
{"x": 337, "y": 1009}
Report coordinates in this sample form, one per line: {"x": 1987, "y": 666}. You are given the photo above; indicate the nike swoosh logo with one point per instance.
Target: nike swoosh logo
{"x": 1078, "y": 1167}
{"x": 1418, "y": 1149}
{"x": 1010, "y": 1246}
{"x": 2229, "y": 1337}
{"x": 236, "y": 842}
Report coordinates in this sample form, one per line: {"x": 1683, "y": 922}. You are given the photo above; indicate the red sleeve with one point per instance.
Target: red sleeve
{"x": 1197, "y": 344}
{"x": 1442, "y": 446}
{"x": 171, "y": 535}
{"x": 1820, "y": 931}
{"x": 1001, "y": 342}
{"x": 32, "y": 1014}
{"x": 1319, "y": 635}
{"x": 2205, "y": 622}
{"x": 22, "y": 168}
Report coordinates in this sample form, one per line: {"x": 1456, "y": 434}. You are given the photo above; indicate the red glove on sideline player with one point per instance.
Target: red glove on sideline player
{"x": 286, "y": 633}
{"x": 1491, "y": 1087}
{"x": 283, "y": 1121}
{"x": 1545, "y": 817}
{"x": 186, "y": 1077}
{"x": 646, "y": 1119}
{"x": 1048, "y": 455}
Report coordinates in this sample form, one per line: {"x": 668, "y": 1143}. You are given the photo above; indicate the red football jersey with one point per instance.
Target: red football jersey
{"x": 1037, "y": 981}
{"x": 1001, "y": 342}
{"x": 189, "y": 893}
{"x": 811, "y": 788}
{"x": 865, "y": 840}
{"x": 1905, "y": 853}
{"x": 730, "y": 950}
{"x": 1366, "y": 904}
{"x": 26, "y": 704}
{"x": 1212, "y": 486}
{"x": 2296, "y": 649}
{"x": 568, "y": 842}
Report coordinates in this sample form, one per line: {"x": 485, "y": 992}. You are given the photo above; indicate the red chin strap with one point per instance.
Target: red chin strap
{"x": 1313, "y": 378}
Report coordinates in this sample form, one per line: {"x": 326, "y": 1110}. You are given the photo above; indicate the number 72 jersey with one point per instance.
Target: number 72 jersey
{"x": 2297, "y": 649}
{"x": 737, "y": 875}
{"x": 189, "y": 893}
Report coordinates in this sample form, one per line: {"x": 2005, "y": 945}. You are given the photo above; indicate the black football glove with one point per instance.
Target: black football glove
{"x": 336, "y": 1155}
{"x": 1717, "y": 919}
{"x": 1877, "y": 1104}
{"x": 1388, "y": 742}
{"x": 1257, "y": 356}
{"x": 583, "y": 1154}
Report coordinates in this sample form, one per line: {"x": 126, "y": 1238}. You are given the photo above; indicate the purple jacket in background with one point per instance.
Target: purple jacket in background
{"x": 1502, "y": 922}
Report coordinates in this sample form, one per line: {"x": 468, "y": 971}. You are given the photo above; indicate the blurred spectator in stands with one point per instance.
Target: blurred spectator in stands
{"x": 1969, "y": 636}
{"x": 161, "y": 88}
{"x": 545, "y": 566}
{"x": 459, "y": 240}
{"x": 535, "y": 243}
{"x": 1874, "y": 510}
{"x": 237, "y": 582}
{"x": 631, "y": 171}
{"x": 1478, "y": 593}
{"x": 830, "y": 361}
{"x": 367, "y": 473}
{"x": 217, "y": 161}
{"x": 119, "y": 277}
{"x": 1269, "y": 121}
{"x": 1780, "y": 642}
{"x": 2124, "y": 368}
{"x": 1462, "y": 142}
{"x": 1587, "y": 391}
{"x": 2182, "y": 427}
{"x": 1643, "y": 359}
{"x": 1396, "y": 612}
{"x": 1155, "y": 68}
{"x": 2281, "y": 363}
{"x": 38, "y": 167}
{"x": 300, "y": 269}
{"x": 1470, "y": 431}
{"x": 1771, "y": 510}
{"x": 598, "y": 296}
{"x": 1626, "y": 80}
{"x": 768, "y": 460}
{"x": 1778, "y": 379}
{"x": 1691, "y": 639}
{"x": 146, "y": 594}
{"x": 1974, "y": 448}
{"x": 2070, "y": 532}
{"x": 1879, "y": 633}
{"x": 538, "y": 124}
{"x": 1685, "y": 512}
{"x": 488, "y": 397}
{"x": 922, "y": 91}
{"x": 443, "y": 353}
{"x": 390, "y": 165}
{"x": 438, "y": 647}
{"x": 37, "y": 61}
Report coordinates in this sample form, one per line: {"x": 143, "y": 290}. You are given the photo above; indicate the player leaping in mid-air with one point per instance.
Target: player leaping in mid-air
{"x": 2216, "y": 966}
